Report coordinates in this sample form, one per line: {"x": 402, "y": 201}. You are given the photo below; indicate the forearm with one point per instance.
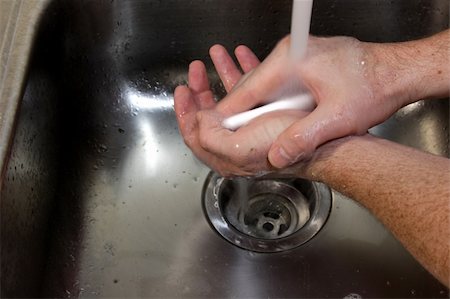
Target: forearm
{"x": 406, "y": 189}
{"x": 410, "y": 71}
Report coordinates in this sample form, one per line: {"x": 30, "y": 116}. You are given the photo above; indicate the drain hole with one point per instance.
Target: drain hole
{"x": 266, "y": 215}
{"x": 283, "y": 228}
{"x": 268, "y": 227}
{"x": 271, "y": 215}
{"x": 267, "y": 209}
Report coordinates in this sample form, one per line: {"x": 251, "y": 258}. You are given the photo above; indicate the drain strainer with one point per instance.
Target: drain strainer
{"x": 266, "y": 215}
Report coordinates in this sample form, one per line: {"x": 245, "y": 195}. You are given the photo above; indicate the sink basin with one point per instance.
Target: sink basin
{"x": 101, "y": 198}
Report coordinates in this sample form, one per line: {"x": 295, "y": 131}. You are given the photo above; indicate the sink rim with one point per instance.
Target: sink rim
{"x": 22, "y": 24}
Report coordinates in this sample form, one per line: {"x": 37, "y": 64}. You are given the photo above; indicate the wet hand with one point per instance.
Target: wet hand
{"x": 340, "y": 74}
{"x": 242, "y": 152}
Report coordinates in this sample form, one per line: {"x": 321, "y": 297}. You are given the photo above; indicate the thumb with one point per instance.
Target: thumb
{"x": 302, "y": 138}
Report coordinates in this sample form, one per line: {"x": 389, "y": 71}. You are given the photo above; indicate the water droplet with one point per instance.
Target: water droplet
{"x": 102, "y": 148}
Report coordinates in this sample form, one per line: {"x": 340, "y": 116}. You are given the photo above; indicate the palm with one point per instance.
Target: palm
{"x": 243, "y": 152}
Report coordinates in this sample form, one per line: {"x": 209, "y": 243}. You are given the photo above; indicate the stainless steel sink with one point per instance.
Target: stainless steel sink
{"x": 100, "y": 197}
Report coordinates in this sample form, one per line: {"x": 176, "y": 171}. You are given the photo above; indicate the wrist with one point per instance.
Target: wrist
{"x": 392, "y": 79}
{"x": 327, "y": 161}
{"x": 403, "y": 73}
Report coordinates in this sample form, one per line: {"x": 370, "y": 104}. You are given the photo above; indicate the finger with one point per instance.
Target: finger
{"x": 213, "y": 137}
{"x": 183, "y": 101}
{"x": 197, "y": 77}
{"x": 303, "y": 137}
{"x": 185, "y": 109}
{"x": 247, "y": 59}
{"x": 253, "y": 139}
{"x": 216, "y": 146}
{"x": 199, "y": 84}
{"x": 225, "y": 67}
{"x": 263, "y": 84}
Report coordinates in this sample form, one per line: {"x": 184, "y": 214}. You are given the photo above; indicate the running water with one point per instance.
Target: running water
{"x": 300, "y": 23}
{"x": 242, "y": 195}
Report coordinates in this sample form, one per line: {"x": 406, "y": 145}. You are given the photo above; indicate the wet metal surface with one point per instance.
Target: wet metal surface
{"x": 100, "y": 197}
{"x": 266, "y": 215}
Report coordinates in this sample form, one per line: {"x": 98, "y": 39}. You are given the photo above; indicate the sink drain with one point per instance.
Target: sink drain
{"x": 266, "y": 215}
{"x": 266, "y": 209}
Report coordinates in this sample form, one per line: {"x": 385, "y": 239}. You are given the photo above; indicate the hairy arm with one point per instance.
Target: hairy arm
{"x": 414, "y": 70}
{"x": 391, "y": 75}
{"x": 406, "y": 189}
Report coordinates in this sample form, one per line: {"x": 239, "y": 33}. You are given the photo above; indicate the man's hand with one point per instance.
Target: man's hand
{"x": 335, "y": 70}
{"x": 338, "y": 72}
{"x": 356, "y": 85}
{"x": 243, "y": 152}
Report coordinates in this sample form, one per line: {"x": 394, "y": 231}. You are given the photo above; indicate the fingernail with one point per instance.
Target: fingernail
{"x": 279, "y": 158}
